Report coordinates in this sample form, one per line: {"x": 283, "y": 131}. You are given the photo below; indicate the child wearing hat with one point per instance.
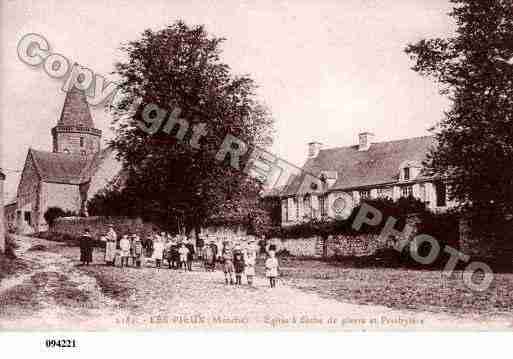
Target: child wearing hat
{"x": 238, "y": 263}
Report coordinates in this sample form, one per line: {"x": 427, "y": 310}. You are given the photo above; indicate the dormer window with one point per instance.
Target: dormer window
{"x": 406, "y": 173}
{"x": 409, "y": 170}
{"x": 329, "y": 177}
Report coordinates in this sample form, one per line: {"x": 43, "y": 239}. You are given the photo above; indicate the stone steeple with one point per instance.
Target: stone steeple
{"x": 75, "y": 131}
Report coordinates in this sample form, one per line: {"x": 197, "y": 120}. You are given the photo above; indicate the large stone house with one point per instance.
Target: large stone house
{"x": 73, "y": 172}
{"x": 369, "y": 169}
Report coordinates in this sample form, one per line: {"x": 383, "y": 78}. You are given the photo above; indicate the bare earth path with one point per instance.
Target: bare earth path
{"x": 55, "y": 293}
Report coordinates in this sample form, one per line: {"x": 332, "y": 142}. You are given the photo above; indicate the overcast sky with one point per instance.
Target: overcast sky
{"x": 328, "y": 69}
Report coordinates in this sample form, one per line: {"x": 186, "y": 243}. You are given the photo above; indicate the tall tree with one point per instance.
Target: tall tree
{"x": 475, "y": 137}
{"x": 181, "y": 67}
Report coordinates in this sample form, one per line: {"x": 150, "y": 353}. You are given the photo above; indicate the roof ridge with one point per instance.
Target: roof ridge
{"x": 31, "y": 151}
{"x": 391, "y": 141}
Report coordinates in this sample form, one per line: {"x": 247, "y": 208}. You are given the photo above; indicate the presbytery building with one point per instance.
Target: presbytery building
{"x": 368, "y": 169}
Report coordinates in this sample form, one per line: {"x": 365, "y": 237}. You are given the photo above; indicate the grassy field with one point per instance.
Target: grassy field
{"x": 399, "y": 288}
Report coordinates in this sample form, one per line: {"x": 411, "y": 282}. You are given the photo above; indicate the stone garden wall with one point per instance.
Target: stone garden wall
{"x": 301, "y": 247}
{"x": 99, "y": 226}
{"x": 339, "y": 245}
{"x": 362, "y": 245}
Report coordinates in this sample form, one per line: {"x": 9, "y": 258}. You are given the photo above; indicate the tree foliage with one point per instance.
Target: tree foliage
{"x": 475, "y": 137}
{"x": 181, "y": 67}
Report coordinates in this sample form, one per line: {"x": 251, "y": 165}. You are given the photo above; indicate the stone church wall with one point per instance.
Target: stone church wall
{"x": 65, "y": 196}
{"x": 29, "y": 192}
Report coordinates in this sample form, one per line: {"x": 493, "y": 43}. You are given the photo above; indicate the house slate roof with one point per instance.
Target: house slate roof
{"x": 75, "y": 111}
{"x": 65, "y": 168}
{"x": 376, "y": 166}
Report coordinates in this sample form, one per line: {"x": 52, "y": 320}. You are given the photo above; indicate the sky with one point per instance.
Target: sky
{"x": 327, "y": 69}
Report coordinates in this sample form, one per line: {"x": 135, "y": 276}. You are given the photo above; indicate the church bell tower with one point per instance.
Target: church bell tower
{"x": 75, "y": 132}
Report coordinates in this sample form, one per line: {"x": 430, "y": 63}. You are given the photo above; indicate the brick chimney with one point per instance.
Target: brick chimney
{"x": 365, "y": 140}
{"x": 314, "y": 148}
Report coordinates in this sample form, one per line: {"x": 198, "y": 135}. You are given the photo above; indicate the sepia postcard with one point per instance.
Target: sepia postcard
{"x": 256, "y": 165}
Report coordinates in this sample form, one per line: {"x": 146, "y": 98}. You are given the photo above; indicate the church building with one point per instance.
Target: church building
{"x": 72, "y": 173}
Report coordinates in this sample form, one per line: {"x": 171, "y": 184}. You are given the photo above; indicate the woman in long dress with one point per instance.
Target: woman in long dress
{"x": 209, "y": 257}
{"x": 110, "y": 246}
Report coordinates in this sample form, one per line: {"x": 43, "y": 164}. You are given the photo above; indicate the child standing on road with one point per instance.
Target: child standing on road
{"x": 158, "y": 251}
{"x": 190, "y": 254}
{"x": 183, "y": 251}
{"x": 227, "y": 258}
{"x": 271, "y": 268}
{"x": 138, "y": 250}
{"x": 238, "y": 263}
{"x": 124, "y": 245}
{"x": 250, "y": 262}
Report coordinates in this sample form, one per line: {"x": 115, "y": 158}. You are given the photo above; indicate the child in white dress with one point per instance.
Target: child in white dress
{"x": 271, "y": 268}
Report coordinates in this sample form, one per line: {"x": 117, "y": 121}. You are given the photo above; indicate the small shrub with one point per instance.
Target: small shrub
{"x": 38, "y": 247}
{"x": 283, "y": 253}
{"x": 10, "y": 246}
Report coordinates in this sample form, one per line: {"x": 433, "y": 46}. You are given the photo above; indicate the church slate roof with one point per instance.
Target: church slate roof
{"x": 75, "y": 111}
{"x": 378, "y": 165}
{"x": 65, "y": 168}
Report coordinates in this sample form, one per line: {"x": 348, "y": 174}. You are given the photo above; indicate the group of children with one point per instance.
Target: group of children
{"x": 238, "y": 261}
{"x": 179, "y": 252}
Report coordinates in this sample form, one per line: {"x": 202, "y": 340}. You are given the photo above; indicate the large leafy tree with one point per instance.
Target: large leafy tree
{"x": 181, "y": 67}
{"x": 475, "y": 137}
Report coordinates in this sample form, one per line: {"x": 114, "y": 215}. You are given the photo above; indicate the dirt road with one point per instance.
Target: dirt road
{"x": 55, "y": 293}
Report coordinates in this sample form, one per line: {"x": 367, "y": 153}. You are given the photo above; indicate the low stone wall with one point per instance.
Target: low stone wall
{"x": 99, "y": 226}
{"x": 362, "y": 245}
{"x": 301, "y": 247}
{"x": 336, "y": 246}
